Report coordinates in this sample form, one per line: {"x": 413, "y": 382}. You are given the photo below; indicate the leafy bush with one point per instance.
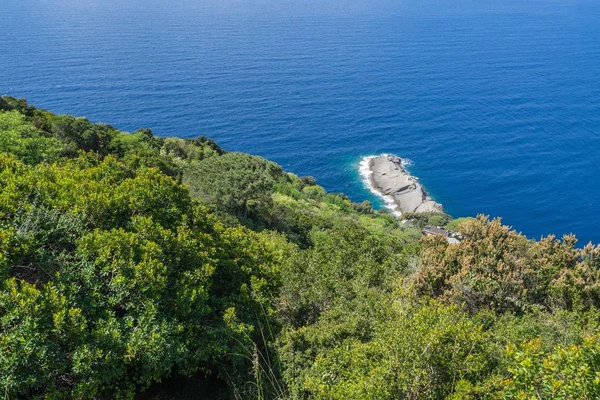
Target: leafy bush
{"x": 495, "y": 267}
{"x": 114, "y": 276}
{"x": 567, "y": 372}
{"x": 420, "y": 220}
{"x": 24, "y": 141}
{"x": 235, "y": 183}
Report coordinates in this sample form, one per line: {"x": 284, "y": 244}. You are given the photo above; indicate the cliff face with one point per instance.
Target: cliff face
{"x": 391, "y": 179}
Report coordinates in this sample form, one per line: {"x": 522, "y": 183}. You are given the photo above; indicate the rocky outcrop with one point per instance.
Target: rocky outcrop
{"x": 390, "y": 179}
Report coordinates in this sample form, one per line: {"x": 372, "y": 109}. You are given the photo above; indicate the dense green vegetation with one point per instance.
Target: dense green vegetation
{"x": 128, "y": 259}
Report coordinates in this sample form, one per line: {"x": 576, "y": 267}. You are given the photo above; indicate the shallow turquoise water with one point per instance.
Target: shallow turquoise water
{"x": 497, "y": 105}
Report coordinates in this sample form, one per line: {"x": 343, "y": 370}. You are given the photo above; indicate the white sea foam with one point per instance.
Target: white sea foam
{"x": 365, "y": 173}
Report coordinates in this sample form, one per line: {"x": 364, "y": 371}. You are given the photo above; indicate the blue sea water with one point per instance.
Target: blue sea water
{"x": 496, "y": 103}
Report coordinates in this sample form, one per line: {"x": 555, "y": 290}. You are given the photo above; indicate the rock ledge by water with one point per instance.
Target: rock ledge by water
{"x": 389, "y": 178}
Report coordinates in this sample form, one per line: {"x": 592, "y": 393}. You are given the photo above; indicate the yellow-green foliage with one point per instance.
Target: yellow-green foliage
{"x": 422, "y": 350}
{"x": 567, "y": 372}
{"x": 114, "y": 276}
{"x": 23, "y": 140}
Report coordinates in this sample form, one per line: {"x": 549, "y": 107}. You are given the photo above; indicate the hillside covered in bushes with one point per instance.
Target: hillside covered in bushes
{"x": 128, "y": 260}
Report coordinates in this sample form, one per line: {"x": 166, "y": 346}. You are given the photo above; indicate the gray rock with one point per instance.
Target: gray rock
{"x": 391, "y": 179}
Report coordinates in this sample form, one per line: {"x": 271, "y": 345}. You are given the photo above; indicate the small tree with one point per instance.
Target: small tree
{"x": 235, "y": 183}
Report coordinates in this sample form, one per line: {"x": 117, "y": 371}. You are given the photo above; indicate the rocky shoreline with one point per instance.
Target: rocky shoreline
{"x": 402, "y": 191}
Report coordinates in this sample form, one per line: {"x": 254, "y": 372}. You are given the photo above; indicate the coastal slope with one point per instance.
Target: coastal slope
{"x": 388, "y": 177}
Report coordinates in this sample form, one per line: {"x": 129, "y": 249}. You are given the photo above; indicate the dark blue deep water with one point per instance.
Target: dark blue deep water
{"x": 497, "y": 103}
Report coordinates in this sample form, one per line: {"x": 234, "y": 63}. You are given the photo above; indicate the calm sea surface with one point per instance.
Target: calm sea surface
{"x": 496, "y": 105}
